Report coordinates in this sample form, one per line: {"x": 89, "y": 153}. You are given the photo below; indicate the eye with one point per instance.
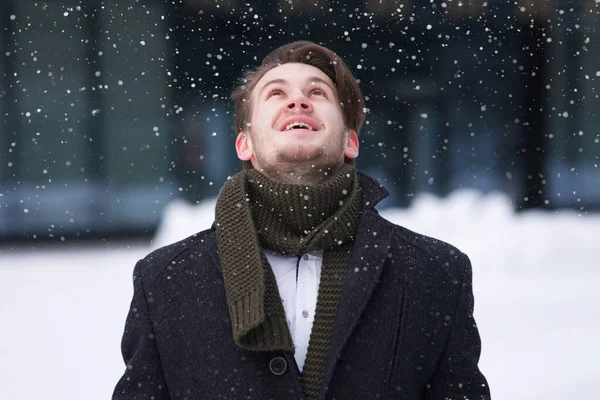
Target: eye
{"x": 274, "y": 92}
{"x": 319, "y": 92}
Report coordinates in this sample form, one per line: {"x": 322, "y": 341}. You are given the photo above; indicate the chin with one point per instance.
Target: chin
{"x": 300, "y": 153}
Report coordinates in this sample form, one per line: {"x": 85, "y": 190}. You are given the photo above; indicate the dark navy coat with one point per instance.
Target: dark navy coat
{"x": 404, "y": 328}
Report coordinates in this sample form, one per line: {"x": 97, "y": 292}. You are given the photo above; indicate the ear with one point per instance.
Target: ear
{"x": 243, "y": 146}
{"x": 351, "y": 144}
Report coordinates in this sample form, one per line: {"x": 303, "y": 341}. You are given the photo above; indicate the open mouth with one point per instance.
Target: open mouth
{"x": 299, "y": 122}
{"x": 298, "y": 125}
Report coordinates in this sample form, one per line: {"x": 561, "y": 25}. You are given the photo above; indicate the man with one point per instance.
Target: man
{"x": 301, "y": 290}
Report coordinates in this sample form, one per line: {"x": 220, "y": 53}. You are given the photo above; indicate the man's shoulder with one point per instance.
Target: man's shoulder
{"x": 437, "y": 253}
{"x": 154, "y": 263}
{"x": 430, "y": 252}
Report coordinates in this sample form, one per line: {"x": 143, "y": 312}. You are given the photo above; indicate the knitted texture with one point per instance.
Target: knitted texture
{"x": 252, "y": 296}
{"x": 254, "y": 212}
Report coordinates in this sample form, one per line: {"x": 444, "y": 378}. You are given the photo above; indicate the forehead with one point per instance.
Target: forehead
{"x": 293, "y": 73}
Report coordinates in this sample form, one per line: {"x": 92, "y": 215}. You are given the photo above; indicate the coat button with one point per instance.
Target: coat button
{"x": 278, "y": 365}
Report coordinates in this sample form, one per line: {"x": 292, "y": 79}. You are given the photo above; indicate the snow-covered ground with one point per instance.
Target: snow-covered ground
{"x": 536, "y": 279}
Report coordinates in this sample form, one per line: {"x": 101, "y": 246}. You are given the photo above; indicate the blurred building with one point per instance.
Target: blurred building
{"x": 110, "y": 109}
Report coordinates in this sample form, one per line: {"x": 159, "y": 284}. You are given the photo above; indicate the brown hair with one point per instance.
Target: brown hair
{"x": 350, "y": 96}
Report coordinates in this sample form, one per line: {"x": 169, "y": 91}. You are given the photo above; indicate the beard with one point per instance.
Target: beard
{"x": 301, "y": 159}
{"x": 321, "y": 156}
{"x": 300, "y": 153}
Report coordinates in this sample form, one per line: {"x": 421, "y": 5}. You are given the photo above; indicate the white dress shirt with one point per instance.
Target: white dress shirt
{"x": 298, "y": 283}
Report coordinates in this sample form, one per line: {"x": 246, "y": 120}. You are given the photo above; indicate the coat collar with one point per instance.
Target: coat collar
{"x": 372, "y": 191}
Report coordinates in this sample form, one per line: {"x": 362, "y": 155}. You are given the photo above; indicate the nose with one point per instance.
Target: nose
{"x": 301, "y": 102}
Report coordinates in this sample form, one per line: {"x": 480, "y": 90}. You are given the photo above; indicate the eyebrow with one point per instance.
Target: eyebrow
{"x": 284, "y": 82}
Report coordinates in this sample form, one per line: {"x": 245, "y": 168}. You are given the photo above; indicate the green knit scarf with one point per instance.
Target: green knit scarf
{"x": 254, "y": 212}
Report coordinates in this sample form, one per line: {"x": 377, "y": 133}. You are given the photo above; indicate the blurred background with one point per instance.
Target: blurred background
{"x": 111, "y": 109}
{"x": 483, "y": 121}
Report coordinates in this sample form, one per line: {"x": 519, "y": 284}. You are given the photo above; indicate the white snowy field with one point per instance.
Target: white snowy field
{"x": 536, "y": 282}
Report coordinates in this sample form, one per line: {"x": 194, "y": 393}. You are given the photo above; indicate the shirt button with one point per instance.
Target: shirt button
{"x": 305, "y": 314}
{"x": 305, "y": 257}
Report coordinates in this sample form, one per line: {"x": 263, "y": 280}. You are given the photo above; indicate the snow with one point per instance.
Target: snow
{"x": 536, "y": 276}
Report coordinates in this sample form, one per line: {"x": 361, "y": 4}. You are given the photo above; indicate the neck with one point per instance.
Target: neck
{"x": 298, "y": 174}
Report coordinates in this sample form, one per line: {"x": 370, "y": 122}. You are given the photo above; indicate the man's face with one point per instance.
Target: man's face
{"x": 296, "y": 119}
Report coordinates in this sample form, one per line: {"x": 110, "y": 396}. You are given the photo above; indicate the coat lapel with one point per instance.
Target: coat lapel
{"x": 367, "y": 260}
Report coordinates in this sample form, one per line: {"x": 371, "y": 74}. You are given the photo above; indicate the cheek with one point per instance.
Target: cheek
{"x": 339, "y": 124}
{"x": 261, "y": 119}
{"x": 337, "y": 116}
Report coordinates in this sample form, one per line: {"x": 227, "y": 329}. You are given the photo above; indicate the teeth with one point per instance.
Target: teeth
{"x": 296, "y": 124}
